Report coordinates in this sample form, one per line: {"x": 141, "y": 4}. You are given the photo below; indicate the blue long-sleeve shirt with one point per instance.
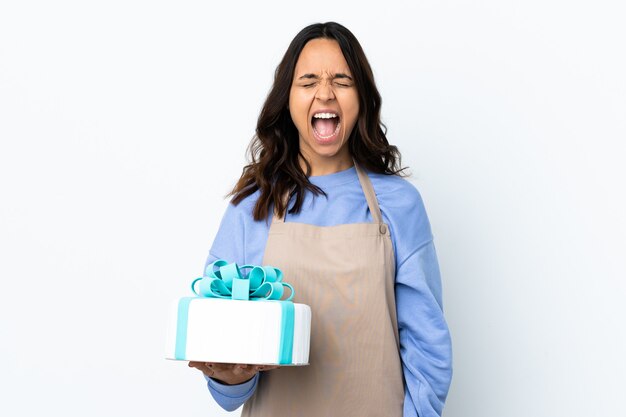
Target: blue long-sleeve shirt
{"x": 425, "y": 344}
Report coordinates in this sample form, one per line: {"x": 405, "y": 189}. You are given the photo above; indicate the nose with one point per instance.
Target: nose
{"x": 325, "y": 92}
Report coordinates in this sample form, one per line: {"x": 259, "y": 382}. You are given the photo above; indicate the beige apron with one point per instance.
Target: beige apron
{"x": 346, "y": 274}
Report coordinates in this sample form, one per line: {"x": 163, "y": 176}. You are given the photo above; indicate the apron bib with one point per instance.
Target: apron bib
{"x": 346, "y": 274}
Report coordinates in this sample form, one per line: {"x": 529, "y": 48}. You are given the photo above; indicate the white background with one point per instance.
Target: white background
{"x": 124, "y": 123}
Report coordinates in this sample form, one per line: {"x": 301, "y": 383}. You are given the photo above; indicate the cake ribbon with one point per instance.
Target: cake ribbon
{"x": 224, "y": 280}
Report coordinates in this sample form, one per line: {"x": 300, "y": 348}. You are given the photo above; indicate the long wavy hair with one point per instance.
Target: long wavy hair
{"x": 274, "y": 151}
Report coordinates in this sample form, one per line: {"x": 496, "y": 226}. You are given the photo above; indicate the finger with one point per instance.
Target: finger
{"x": 197, "y": 365}
{"x": 238, "y": 369}
{"x": 216, "y": 368}
{"x": 266, "y": 367}
{"x": 202, "y": 367}
{"x": 221, "y": 367}
{"x": 251, "y": 370}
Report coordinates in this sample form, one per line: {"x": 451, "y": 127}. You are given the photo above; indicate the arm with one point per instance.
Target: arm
{"x": 425, "y": 343}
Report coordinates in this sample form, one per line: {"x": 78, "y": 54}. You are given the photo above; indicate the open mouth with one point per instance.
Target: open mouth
{"x": 326, "y": 125}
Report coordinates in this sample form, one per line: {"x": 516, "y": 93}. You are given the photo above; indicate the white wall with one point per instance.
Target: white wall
{"x": 124, "y": 123}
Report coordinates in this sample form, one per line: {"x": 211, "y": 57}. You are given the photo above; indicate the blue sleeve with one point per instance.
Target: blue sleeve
{"x": 240, "y": 238}
{"x": 229, "y": 240}
{"x": 231, "y": 397}
{"x": 425, "y": 343}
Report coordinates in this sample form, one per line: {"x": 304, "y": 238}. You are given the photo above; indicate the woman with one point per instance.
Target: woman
{"x": 353, "y": 239}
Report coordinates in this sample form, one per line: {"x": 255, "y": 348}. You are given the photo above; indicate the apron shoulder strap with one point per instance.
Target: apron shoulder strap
{"x": 370, "y": 195}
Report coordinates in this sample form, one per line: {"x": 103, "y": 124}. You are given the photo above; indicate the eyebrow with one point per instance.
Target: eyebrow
{"x": 317, "y": 77}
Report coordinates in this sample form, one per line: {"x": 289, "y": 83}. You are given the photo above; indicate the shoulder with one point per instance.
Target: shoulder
{"x": 403, "y": 208}
{"x": 397, "y": 193}
{"x": 244, "y": 208}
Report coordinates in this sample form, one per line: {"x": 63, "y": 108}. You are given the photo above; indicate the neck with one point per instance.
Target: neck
{"x": 325, "y": 167}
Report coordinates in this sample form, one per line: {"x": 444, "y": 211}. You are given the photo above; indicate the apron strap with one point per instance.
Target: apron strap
{"x": 370, "y": 195}
{"x": 368, "y": 190}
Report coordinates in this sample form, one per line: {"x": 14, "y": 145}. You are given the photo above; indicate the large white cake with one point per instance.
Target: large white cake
{"x": 235, "y": 331}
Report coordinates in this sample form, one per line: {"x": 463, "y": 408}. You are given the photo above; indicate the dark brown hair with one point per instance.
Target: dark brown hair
{"x": 274, "y": 152}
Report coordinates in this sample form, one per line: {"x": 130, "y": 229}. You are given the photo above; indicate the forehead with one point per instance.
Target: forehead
{"x": 321, "y": 56}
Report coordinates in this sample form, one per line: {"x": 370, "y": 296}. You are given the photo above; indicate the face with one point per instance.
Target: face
{"x": 324, "y": 105}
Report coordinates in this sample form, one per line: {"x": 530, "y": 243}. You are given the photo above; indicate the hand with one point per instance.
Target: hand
{"x": 230, "y": 373}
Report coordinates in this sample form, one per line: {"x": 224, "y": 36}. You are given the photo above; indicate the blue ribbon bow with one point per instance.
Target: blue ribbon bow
{"x": 224, "y": 280}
